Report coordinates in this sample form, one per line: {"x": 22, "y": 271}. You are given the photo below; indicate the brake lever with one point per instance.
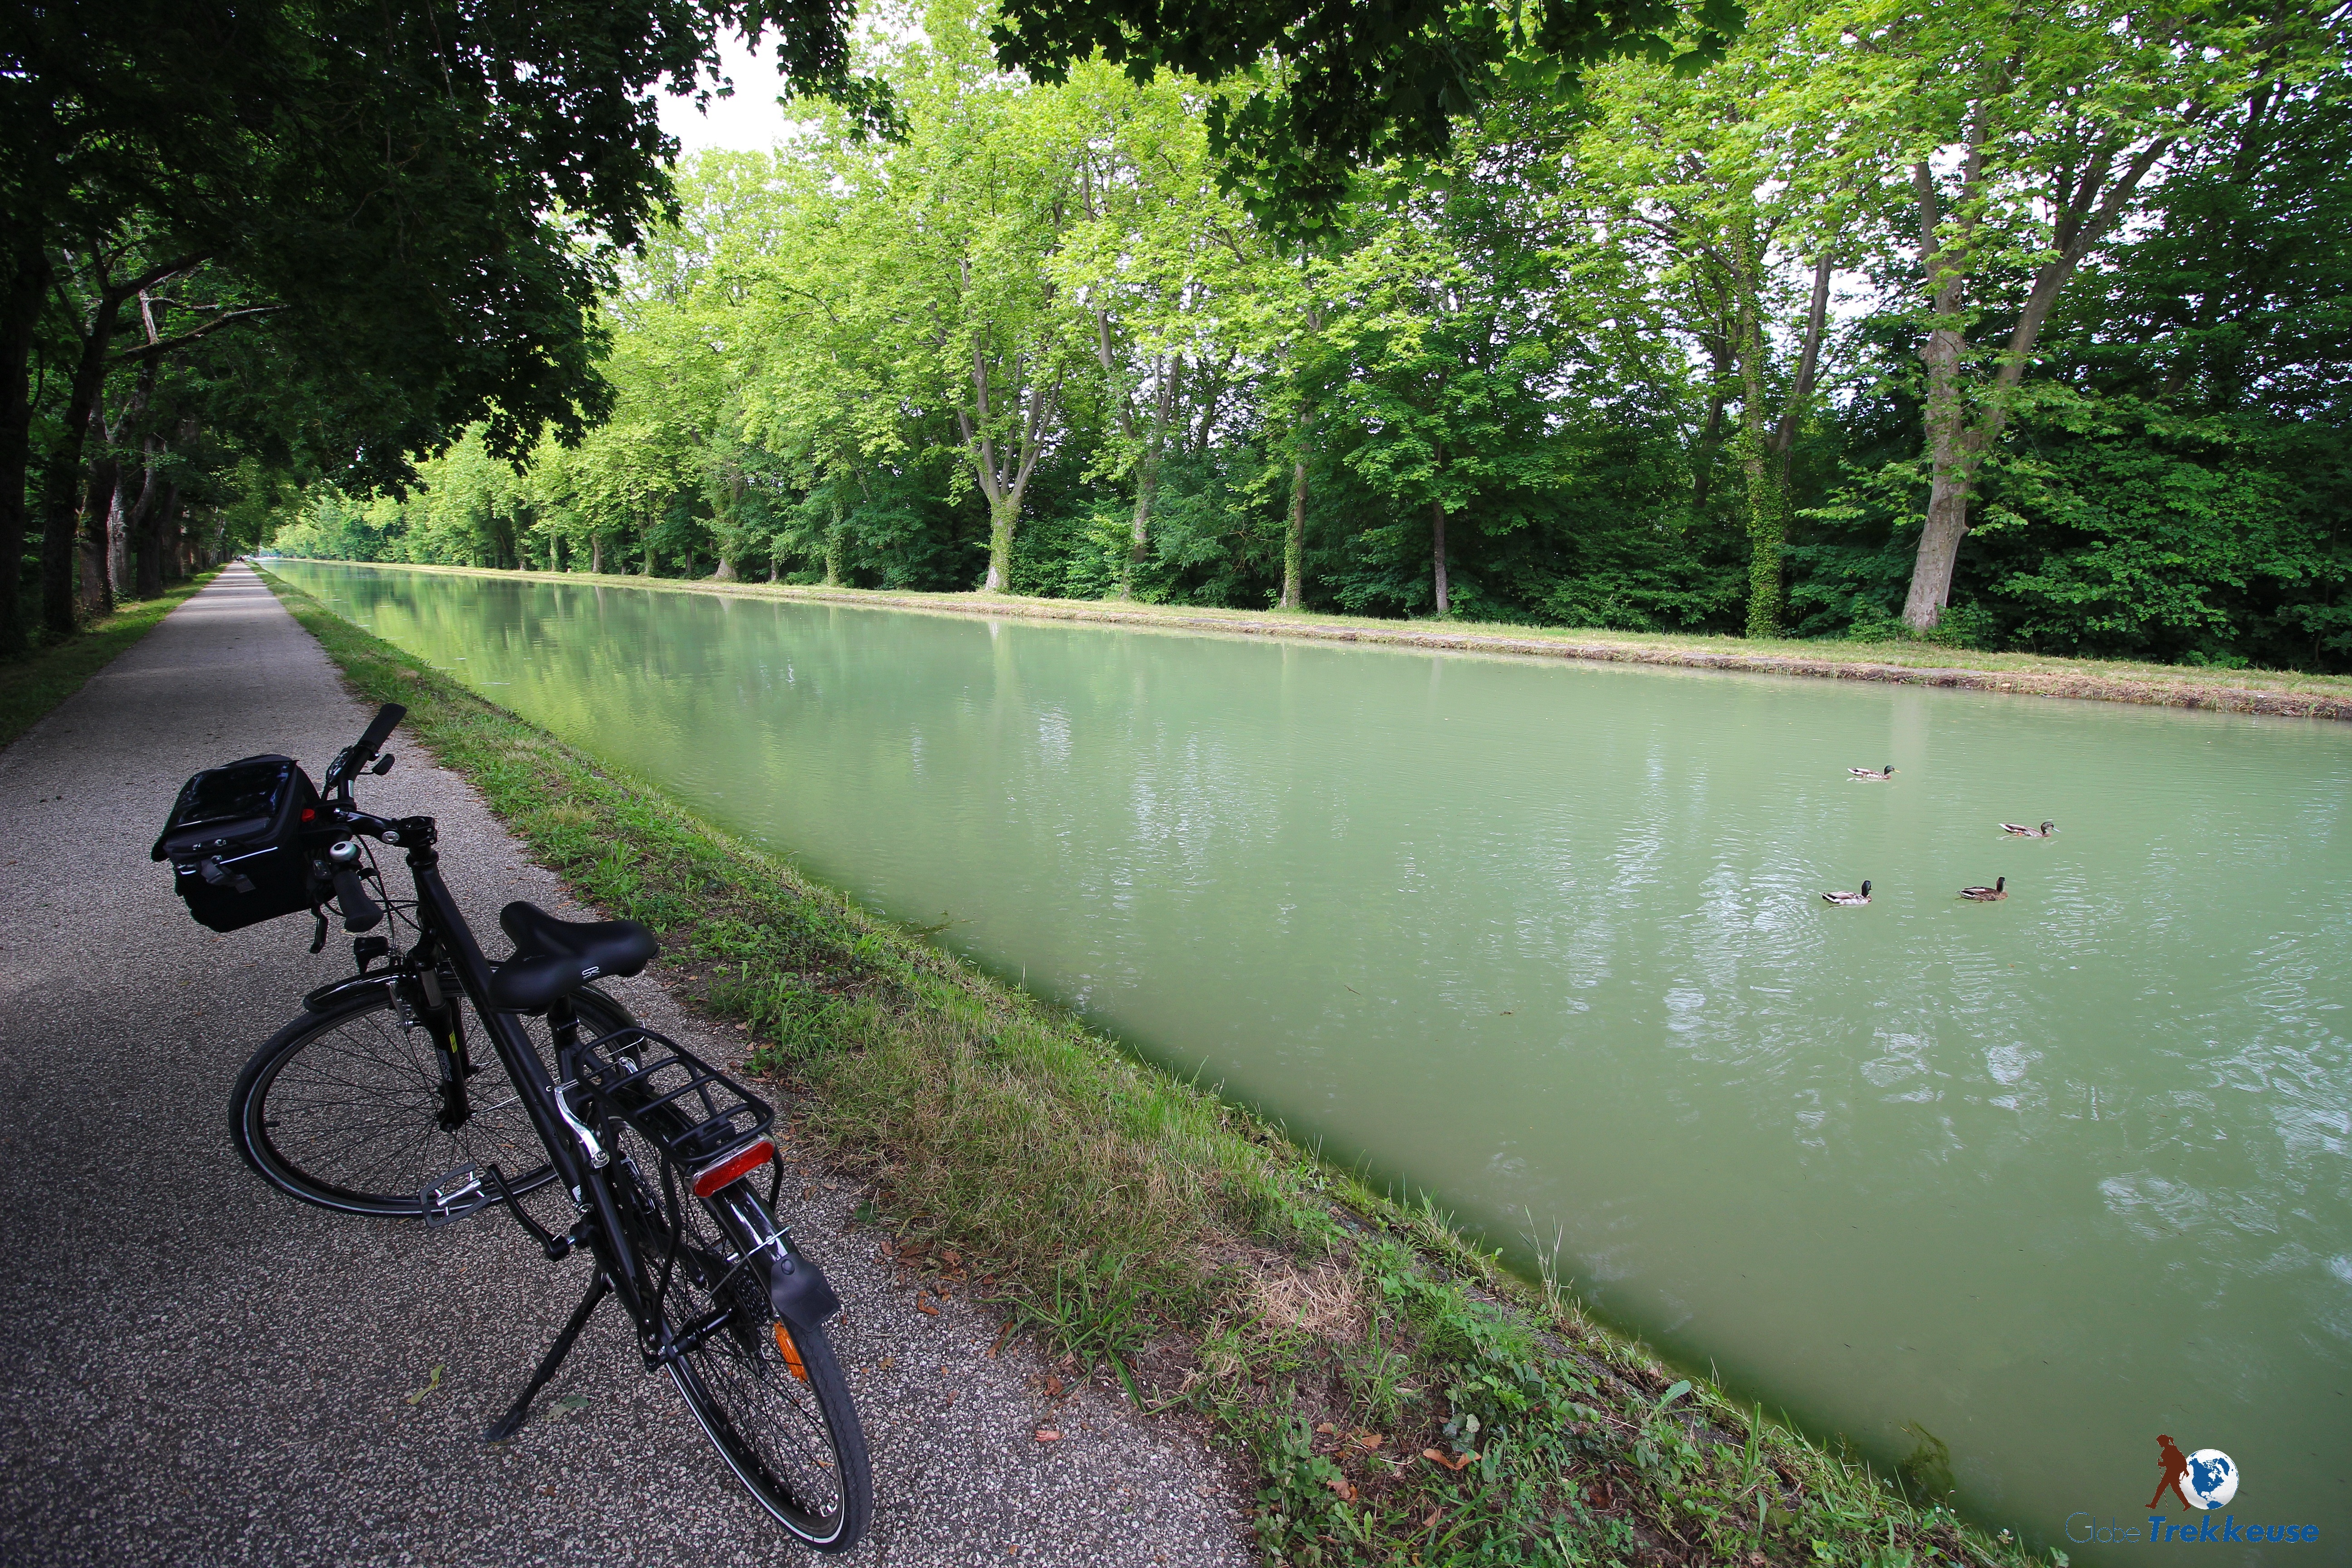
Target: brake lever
{"x": 319, "y": 938}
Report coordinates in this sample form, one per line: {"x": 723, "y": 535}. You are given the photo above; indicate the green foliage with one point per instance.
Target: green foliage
{"x": 1034, "y": 337}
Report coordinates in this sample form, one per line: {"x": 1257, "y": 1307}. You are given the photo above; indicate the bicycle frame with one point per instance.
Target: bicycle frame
{"x": 441, "y": 922}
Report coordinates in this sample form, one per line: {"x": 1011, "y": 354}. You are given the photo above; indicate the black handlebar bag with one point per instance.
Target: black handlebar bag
{"x": 234, "y": 842}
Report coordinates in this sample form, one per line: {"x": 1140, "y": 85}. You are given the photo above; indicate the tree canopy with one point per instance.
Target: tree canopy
{"x": 1676, "y": 351}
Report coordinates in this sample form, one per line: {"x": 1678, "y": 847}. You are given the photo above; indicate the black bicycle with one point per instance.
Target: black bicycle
{"x": 378, "y": 1102}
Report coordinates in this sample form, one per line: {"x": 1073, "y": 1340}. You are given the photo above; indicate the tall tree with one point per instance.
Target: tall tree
{"x": 385, "y": 168}
{"x": 2011, "y": 143}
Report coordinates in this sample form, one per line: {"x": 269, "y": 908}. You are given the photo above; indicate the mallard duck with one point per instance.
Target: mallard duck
{"x": 1994, "y": 894}
{"x": 1876, "y": 775}
{"x": 2022, "y": 831}
{"x": 1850, "y": 899}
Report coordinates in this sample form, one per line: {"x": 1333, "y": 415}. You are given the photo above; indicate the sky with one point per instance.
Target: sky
{"x": 748, "y": 123}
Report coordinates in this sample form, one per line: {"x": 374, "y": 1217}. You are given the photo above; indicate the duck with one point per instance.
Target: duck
{"x": 2022, "y": 831}
{"x": 1876, "y": 775}
{"x": 1849, "y": 900}
{"x": 1994, "y": 894}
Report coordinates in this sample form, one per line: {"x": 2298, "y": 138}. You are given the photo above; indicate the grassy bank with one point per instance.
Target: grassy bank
{"x": 44, "y": 676}
{"x": 1915, "y": 663}
{"x": 1397, "y": 1397}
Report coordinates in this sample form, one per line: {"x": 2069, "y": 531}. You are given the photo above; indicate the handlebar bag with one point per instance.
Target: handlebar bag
{"x": 234, "y": 842}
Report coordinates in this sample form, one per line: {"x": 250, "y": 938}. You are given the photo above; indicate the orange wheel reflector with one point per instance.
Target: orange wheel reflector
{"x": 734, "y": 1168}
{"x": 790, "y": 1352}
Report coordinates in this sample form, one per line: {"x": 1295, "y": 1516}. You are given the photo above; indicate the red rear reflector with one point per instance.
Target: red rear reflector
{"x": 734, "y": 1168}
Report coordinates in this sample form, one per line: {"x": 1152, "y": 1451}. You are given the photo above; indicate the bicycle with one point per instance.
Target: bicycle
{"x": 359, "y": 1104}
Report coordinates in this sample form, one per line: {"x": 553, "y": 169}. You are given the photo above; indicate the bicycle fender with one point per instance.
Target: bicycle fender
{"x": 798, "y": 1290}
{"x": 327, "y": 998}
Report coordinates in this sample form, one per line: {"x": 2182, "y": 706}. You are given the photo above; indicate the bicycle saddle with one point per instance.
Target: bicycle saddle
{"x": 553, "y": 958}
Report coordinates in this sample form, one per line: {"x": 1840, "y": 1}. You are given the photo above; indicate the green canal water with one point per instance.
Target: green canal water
{"x": 2043, "y": 1178}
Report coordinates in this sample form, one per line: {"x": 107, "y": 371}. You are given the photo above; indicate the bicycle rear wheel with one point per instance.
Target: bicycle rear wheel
{"x": 343, "y": 1109}
{"x": 771, "y": 1398}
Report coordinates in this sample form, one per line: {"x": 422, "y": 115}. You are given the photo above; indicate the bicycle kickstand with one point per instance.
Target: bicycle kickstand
{"x": 511, "y": 1422}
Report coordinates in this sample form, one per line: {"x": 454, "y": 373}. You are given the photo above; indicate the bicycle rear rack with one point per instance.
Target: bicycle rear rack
{"x": 693, "y": 1114}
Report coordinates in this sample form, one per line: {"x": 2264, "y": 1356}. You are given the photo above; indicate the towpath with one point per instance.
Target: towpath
{"x": 194, "y": 1369}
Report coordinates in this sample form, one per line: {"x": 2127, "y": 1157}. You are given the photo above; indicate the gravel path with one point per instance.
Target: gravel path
{"x": 195, "y": 1369}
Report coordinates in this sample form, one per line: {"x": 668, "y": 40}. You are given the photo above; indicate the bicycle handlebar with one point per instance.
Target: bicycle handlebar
{"x": 359, "y": 753}
{"x": 360, "y": 911}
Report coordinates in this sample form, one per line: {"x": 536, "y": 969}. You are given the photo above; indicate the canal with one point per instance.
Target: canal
{"x": 2043, "y": 1177}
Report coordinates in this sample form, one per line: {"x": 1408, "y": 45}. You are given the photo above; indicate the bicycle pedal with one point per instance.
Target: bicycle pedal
{"x": 455, "y": 1196}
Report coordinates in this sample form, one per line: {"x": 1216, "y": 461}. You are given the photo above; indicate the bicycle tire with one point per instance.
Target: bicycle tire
{"x": 340, "y": 1108}
{"x": 767, "y": 1422}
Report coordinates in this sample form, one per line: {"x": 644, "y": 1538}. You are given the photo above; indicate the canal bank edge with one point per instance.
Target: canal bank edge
{"x": 1393, "y": 1392}
{"x": 2044, "y": 677}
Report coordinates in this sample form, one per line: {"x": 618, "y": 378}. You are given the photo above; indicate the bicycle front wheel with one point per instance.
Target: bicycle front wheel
{"x": 771, "y": 1397}
{"x": 345, "y": 1109}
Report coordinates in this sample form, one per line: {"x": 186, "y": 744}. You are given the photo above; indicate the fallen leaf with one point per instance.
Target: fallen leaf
{"x": 1436, "y": 1457}
{"x": 1053, "y": 1386}
{"x": 1326, "y": 1430}
{"x": 430, "y": 1384}
{"x": 885, "y": 1363}
{"x": 948, "y": 1255}
{"x": 1370, "y": 1440}
{"x": 1047, "y": 1435}
{"x": 1434, "y": 1515}
{"x": 1003, "y": 1334}
{"x": 1345, "y": 1487}
{"x": 924, "y": 1306}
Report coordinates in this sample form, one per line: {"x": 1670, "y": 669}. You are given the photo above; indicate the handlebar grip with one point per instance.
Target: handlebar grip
{"x": 362, "y": 750}
{"x": 379, "y": 730}
{"x": 360, "y": 911}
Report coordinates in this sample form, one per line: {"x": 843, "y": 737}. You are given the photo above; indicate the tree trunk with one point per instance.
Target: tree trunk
{"x": 1764, "y": 523}
{"x": 20, "y": 316}
{"x": 118, "y": 537}
{"x": 833, "y": 542}
{"x": 1949, "y": 480}
{"x": 596, "y": 554}
{"x": 1146, "y": 479}
{"x": 145, "y": 524}
{"x": 1147, "y": 488}
{"x": 1003, "y": 517}
{"x": 1294, "y": 544}
{"x": 1437, "y": 555}
{"x": 59, "y": 515}
{"x": 96, "y": 566}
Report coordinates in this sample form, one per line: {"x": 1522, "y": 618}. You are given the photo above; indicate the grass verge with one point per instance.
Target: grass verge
{"x": 47, "y": 676}
{"x": 1401, "y": 1398}
{"x": 1921, "y": 662}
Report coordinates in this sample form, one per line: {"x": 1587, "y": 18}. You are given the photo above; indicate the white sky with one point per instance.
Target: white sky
{"x": 750, "y": 121}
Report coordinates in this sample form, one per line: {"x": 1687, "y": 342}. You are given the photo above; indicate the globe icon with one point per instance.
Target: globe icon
{"x": 2212, "y": 1479}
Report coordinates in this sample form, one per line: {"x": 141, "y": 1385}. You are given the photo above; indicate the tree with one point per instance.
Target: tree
{"x": 2013, "y": 144}
{"x": 385, "y": 170}
{"x": 1698, "y": 180}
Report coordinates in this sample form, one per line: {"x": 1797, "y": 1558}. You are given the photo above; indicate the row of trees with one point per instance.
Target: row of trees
{"x": 246, "y": 244}
{"x": 2025, "y": 323}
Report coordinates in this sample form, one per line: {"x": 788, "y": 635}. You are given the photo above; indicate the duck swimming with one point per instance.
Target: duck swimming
{"x": 2022, "y": 831}
{"x": 1849, "y": 900}
{"x": 1994, "y": 894}
{"x": 1876, "y": 775}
